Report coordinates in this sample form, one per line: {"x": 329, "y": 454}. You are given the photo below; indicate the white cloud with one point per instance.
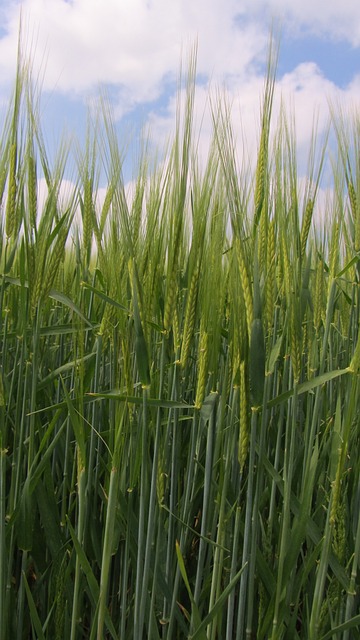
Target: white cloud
{"x": 135, "y": 46}
{"x": 137, "y": 43}
{"x": 331, "y": 19}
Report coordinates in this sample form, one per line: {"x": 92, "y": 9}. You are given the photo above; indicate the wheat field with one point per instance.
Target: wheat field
{"x": 179, "y": 385}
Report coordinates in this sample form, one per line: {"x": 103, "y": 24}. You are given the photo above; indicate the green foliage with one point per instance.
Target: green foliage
{"x": 179, "y": 438}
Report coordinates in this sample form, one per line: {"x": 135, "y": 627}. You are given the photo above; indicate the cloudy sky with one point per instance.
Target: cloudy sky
{"x": 134, "y": 49}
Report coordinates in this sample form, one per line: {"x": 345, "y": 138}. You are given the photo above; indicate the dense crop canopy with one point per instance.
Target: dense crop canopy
{"x": 179, "y": 399}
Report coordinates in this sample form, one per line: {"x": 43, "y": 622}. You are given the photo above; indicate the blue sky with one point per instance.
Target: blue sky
{"x": 134, "y": 47}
